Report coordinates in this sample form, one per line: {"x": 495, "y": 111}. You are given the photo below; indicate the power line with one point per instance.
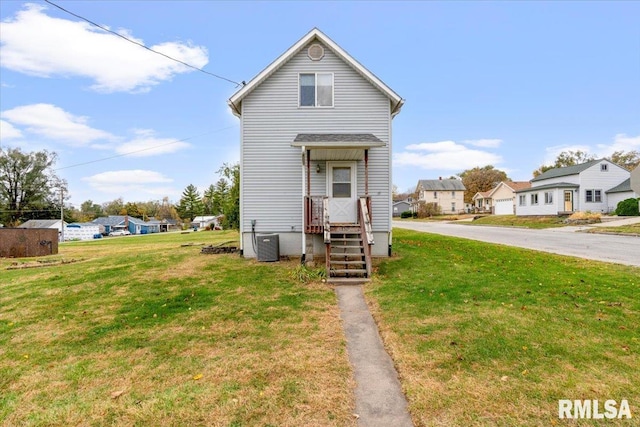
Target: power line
{"x": 142, "y": 45}
{"x": 142, "y": 149}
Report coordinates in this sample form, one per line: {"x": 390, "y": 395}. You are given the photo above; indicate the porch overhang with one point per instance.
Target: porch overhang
{"x": 336, "y": 146}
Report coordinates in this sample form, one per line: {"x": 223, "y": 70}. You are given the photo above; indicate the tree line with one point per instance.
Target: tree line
{"x": 30, "y": 189}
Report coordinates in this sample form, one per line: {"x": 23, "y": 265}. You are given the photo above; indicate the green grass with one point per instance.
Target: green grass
{"x": 632, "y": 229}
{"x": 490, "y": 335}
{"x": 520, "y": 221}
{"x": 144, "y": 331}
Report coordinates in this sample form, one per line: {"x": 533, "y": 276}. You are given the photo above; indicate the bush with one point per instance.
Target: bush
{"x": 426, "y": 210}
{"x": 628, "y": 207}
{"x": 406, "y": 214}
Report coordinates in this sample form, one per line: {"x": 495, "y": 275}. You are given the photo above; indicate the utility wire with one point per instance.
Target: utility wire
{"x": 142, "y": 149}
{"x": 142, "y": 45}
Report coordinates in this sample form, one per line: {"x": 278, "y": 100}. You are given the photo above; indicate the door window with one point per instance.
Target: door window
{"x": 341, "y": 182}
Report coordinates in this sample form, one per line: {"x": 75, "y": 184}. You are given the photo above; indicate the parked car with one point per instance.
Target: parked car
{"x": 120, "y": 233}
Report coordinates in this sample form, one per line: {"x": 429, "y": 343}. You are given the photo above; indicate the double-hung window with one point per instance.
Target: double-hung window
{"x": 316, "y": 90}
{"x": 522, "y": 200}
{"x": 593, "y": 196}
{"x": 534, "y": 199}
{"x": 548, "y": 197}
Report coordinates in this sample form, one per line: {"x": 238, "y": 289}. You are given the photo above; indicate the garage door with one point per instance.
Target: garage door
{"x": 504, "y": 207}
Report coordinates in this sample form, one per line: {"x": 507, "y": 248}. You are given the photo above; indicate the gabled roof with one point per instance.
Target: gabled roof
{"x": 571, "y": 170}
{"x": 481, "y": 195}
{"x": 117, "y": 220}
{"x": 40, "y": 223}
{"x": 441, "y": 185}
{"x": 314, "y": 34}
{"x": 513, "y": 185}
{"x": 623, "y": 187}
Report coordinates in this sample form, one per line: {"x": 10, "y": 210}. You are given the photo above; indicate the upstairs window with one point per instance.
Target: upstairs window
{"x": 316, "y": 90}
{"x": 604, "y": 167}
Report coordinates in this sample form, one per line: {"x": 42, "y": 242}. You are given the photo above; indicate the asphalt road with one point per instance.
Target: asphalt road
{"x": 563, "y": 241}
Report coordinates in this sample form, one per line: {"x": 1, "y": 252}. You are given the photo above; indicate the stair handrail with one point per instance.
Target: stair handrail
{"x": 366, "y": 220}
{"x": 325, "y": 220}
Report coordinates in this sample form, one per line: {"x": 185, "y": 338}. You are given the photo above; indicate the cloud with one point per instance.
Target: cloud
{"x": 53, "y": 122}
{"x": 37, "y": 44}
{"x": 7, "y": 131}
{"x": 444, "y": 155}
{"x": 130, "y": 181}
{"x": 485, "y": 143}
{"x": 146, "y": 144}
{"x": 621, "y": 142}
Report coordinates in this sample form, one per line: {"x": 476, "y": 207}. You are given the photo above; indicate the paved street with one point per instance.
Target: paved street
{"x": 563, "y": 241}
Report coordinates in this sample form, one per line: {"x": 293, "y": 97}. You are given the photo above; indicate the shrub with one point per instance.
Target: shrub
{"x": 628, "y": 207}
{"x": 588, "y": 216}
{"x": 406, "y": 214}
{"x": 426, "y": 210}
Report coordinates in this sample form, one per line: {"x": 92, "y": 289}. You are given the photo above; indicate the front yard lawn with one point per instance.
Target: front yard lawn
{"x": 486, "y": 334}
{"x": 143, "y": 331}
{"x": 520, "y": 221}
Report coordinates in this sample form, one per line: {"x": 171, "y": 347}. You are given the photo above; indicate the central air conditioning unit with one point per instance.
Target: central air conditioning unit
{"x": 268, "y": 247}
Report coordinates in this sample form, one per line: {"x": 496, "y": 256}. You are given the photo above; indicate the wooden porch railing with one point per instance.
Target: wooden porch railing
{"x": 366, "y": 231}
{"x": 313, "y": 214}
{"x": 326, "y": 224}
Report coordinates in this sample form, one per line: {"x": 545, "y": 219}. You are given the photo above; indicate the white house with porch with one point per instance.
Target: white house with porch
{"x": 565, "y": 190}
{"x": 315, "y": 162}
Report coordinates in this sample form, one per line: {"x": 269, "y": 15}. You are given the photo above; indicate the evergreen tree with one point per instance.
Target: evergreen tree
{"x": 190, "y": 205}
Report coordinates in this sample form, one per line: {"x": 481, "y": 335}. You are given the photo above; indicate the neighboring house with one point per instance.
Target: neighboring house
{"x": 503, "y": 196}
{"x": 205, "y": 221}
{"x": 446, "y": 193}
{"x": 570, "y": 189}
{"x": 58, "y": 224}
{"x": 482, "y": 201}
{"x": 315, "y": 141}
{"x": 113, "y": 223}
{"x": 82, "y": 231}
{"x": 164, "y": 225}
{"x": 401, "y": 206}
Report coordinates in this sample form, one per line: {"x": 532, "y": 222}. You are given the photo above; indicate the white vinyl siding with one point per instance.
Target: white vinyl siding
{"x": 272, "y": 181}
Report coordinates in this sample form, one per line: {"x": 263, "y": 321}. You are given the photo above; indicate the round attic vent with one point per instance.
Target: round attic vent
{"x": 315, "y": 52}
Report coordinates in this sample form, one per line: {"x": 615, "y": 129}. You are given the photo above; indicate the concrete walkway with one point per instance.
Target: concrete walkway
{"x": 379, "y": 398}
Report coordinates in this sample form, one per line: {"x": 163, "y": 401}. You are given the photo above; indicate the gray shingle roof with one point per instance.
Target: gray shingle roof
{"x": 547, "y": 186}
{"x": 565, "y": 171}
{"x": 39, "y": 223}
{"x": 336, "y": 137}
{"x": 441, "y": 185}
{"x": 623, "y": 187}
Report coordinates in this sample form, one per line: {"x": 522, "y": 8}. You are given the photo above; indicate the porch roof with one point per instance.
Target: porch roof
{"x": 337, "y": 140}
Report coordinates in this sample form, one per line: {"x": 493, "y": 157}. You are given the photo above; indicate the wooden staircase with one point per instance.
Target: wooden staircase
{"x": 347, "y": 258}
{"x": 348, "y": 247}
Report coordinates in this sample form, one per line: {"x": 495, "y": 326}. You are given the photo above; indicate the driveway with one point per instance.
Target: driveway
{"x": 563, "y": 241}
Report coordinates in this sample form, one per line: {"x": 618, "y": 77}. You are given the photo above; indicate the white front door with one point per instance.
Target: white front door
{"x": 342, "y": 191}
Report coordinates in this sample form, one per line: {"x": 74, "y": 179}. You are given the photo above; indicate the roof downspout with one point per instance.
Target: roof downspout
{"x": 306, "y": 185}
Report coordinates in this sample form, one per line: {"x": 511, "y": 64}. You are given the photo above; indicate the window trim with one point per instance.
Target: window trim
{"x": 315, "y": 86}
{"x": 604, "y": 167}
{"x": 522, "y": 201}
{"x": 536, "y": 202}
{"x": 548, "y": 197}
{"x": 594, "y": 198}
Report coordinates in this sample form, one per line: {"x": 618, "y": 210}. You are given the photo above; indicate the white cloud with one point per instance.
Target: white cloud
{"x": 133, "y": 181}
{"x": 37, "y": 44}
{"x": 53, "y": 122}
{"x": 7, "y": 131}
{"x": 146, "y": 144}
{"x": 444, "y": 155}
{"x": 485, "y": 143}
{"x": 621, "y": 142}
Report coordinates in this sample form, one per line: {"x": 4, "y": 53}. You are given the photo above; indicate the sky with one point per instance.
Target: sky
{"x": 508, "y": 84}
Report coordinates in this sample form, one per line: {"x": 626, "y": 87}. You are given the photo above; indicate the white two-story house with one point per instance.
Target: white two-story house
{"x": 570, "y": 189}
{"x": 315, "y": 155}
{"x": 448, "y": 194}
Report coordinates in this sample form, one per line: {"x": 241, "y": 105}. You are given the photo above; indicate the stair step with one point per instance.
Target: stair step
{"x": 348, "y": 280}
{"x": 347, "y": 262}
{"x": 347, "y": 239}
{"x": 349, "y": 271}
{"x": 346, "y": 255}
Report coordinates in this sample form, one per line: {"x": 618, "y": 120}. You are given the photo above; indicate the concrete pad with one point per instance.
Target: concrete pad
{"x": 379, "y": 398}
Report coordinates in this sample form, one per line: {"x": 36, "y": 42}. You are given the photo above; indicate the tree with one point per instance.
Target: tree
{"x": 231, "y": 202}
{"x": 564, "y": 159}
{"x": 480, "y": 179}
{"x": 113, "y": 207}
{"x": 167, "y": 211}
{"x": 132, "y": 209}
{"x": 190, "y": 205}
{"x": 29, "y": 188}
{"x": 89, "y": 211}
{"x": 627, "y": 160}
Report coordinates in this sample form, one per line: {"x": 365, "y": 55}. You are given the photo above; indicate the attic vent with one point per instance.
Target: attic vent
{"x": 315, "y": 52}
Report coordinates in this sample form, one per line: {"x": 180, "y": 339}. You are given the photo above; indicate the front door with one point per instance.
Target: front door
{"x": 568, "y": 201}
{"x": 341, "y": 189}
